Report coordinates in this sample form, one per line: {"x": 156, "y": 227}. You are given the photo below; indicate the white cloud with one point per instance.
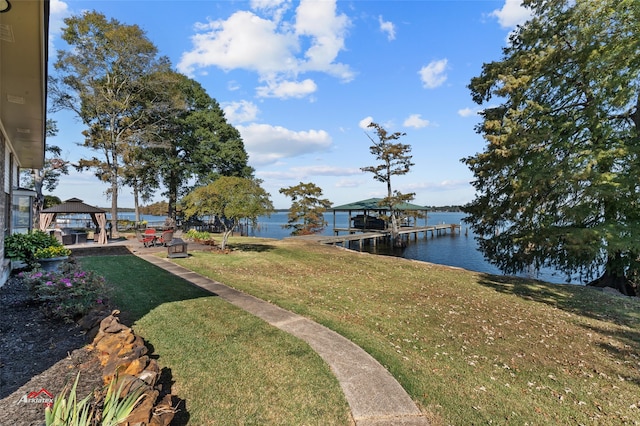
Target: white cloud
{"x": 271, "y": 46}
{"x": 467, "y": 112}
{"x": 275, "y": 8}
{"x": 445, "y": 185}
{"x": 318, "y": 20}
{"x": 511, "y": 14}
{"x": 416, "y": 121}
{"x": 287, "y": 89}
{"x": 348, "y": 183}
{"x": 434, "y": 74}
{"x": 388, "y": 28}
{"x": 268, "y": 144}
{"x": 58, "y": 11}
{"x": 58, "y": 7}
{"x": 240, "y": 111}
{"x": 325, "y": 171}
{"x": 243, "y": 41}
{"x": 364, "y": 123}
{"x": 304, "y": 172}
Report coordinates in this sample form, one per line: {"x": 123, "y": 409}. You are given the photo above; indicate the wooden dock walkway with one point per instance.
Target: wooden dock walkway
{"x": 373, "y": 236}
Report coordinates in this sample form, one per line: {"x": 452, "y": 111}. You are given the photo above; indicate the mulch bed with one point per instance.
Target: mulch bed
{"x": 37, "y": 353}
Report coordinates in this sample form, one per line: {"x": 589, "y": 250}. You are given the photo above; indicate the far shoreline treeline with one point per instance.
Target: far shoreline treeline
{"x": 160, "y": 209}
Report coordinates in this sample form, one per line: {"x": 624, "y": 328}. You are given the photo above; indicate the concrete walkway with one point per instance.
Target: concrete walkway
{"x": 374, "y": 396}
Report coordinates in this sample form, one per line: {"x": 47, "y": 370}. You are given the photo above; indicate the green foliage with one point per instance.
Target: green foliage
{"x": 67, "y": 294}
{"x": 306, "y": 214}
{"x": 68, "y": 411}
{"x": 230, "y": 199}
{"x": 50, "y": 201}
{"x": 23, "y": 247}
{"x": 394, "y": 160}
{"x": 110, "y": 85}
{"x": 157, "y": 209}
{"x": 196, "y": 144}
{"x": 557, "y": 182}
{"x": 192, "y": 234}
{"x": 51, "y": 252}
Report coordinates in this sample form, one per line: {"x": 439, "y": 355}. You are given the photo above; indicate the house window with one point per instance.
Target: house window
{"x": 22, "y": 215}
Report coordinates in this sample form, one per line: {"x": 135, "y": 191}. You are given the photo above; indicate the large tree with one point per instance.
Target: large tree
{"x": 195, "y": 145}
{"x": 557, "y": 184}
{"x": 105, "y": 78}
{"x": 306, "y": 214}
{"x": 394, "y": 160}
{"x": 231, "y": 199}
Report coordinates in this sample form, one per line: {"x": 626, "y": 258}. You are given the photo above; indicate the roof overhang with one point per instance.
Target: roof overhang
{"x": 23, "y": 79}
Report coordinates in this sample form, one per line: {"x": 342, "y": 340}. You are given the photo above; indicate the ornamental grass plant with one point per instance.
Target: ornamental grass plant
{"x": 109, "y": 410}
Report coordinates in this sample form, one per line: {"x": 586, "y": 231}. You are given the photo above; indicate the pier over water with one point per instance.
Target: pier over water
{"x": 373, "y": 236}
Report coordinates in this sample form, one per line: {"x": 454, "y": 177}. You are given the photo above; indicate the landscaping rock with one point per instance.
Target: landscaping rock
{"x": 124, "y": 358}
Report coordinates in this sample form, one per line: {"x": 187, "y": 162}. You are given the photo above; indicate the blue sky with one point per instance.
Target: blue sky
{"x": 302, "y": 79}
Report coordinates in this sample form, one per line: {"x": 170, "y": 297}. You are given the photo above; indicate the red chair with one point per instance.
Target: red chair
{"x": 149, "y": 238}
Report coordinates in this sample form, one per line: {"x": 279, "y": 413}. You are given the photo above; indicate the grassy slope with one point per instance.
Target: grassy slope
{"x": 470, "y": 348}
{"x": 228, "y": 366}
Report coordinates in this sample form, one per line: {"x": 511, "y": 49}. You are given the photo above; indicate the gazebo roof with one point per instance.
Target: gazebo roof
{"x": 372, "y": 204}
{"x": 73, "y": 205}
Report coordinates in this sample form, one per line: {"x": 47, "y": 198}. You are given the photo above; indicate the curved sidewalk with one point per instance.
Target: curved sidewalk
{"x": 374, "y": 396}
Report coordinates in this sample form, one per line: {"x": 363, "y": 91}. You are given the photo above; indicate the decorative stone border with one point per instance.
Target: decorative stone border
{"x": 124, "y": 358}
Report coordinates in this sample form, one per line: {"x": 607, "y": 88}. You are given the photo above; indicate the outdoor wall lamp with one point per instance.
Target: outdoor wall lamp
{"x": 5, "y": 6}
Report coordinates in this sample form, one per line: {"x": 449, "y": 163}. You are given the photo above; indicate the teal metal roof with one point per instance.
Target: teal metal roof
{"x": 372, "y": 204}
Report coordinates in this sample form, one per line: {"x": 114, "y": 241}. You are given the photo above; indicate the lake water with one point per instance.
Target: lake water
{"x": 458, "y": 250}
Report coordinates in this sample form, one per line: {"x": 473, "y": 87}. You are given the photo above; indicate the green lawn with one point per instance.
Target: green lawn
{"x": 227, "y": 366}
{"x": 470, "y": 348}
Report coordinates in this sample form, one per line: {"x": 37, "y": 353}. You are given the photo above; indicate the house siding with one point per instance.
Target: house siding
{"x": 5, "y": 207}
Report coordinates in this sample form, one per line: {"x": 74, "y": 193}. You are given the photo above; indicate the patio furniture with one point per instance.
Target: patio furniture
{"x": 81, "y": 237}
{"x": 166, "y": 237}
{"x": 149, "y": 238}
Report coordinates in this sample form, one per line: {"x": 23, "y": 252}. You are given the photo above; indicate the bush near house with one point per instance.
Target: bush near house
{"x": 23, "y": 247}
{"x": 67, "y": 294}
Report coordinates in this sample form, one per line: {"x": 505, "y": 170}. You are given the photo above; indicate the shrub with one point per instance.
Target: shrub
{"x": 22, "y": 247}
{"x": 67, "y": 294}
{"x": 198, "y": 235}
{"x": 51, "y": 252}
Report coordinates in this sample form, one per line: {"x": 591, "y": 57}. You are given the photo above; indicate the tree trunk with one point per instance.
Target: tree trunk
{"x": 114, "y": 209}
{"x": 396, "y": 238}
{"x": 136, "y": 204}
{"x": 38, "y": 201}
{"x": 173, "y": 197}
{"x": 614, "y": 279}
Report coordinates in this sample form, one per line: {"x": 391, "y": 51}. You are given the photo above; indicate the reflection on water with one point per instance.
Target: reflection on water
{"x": 459, "y": 249}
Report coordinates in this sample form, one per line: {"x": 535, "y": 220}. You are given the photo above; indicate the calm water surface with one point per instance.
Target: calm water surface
{"x": 457, "y": 250}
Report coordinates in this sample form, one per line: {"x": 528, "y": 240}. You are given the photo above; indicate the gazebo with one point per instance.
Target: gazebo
{"x": 74, "y": 205}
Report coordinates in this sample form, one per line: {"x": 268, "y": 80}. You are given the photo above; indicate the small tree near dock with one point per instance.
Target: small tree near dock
{"x": 394, "y": 160}
{"x": 306, "y": 215}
